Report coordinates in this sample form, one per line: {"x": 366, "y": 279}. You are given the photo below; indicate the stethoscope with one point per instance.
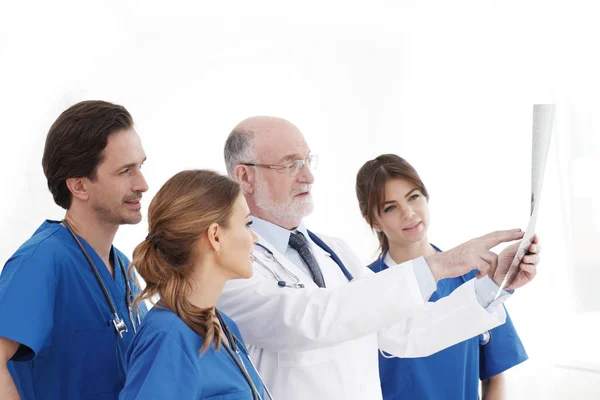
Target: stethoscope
{"x": 118, "y": 323}
{"x": 234, "y": 352}
{"x": 484, "y": 338}
{"x": 270, "y": 257}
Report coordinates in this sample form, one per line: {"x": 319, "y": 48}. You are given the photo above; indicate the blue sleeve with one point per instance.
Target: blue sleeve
{"x": 27, "y": 298}
{"x": 503, "y": 351}
{"x": 159, "y": 368}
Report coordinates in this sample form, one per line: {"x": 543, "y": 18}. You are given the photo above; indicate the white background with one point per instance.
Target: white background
{"x": 447, "y": 85}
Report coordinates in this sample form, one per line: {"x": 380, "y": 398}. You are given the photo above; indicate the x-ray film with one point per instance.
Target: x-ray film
{"x": 543, "y": 120}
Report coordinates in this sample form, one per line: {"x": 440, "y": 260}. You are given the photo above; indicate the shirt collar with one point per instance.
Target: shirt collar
{"x": 387, "y": 260}
{"x": 302, "y": 229}
{"x": 275, "y": 235}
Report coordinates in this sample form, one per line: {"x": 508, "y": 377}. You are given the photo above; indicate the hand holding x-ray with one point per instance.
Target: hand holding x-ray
{"x": 527, "y": 268}
{"x": 543, "y": 120}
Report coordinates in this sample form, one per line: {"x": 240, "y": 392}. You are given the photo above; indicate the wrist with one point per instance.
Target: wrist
{"x": 496, "y": 280}
{"x": 435, "y": 265}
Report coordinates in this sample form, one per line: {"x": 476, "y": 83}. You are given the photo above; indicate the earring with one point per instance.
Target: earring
{"x": 218, "y": 252}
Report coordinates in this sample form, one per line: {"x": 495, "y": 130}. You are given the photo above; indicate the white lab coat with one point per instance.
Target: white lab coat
{"x": 316, "y": 343}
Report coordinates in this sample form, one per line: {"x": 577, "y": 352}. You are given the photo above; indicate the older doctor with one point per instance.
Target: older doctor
{"x": 313, "y": 335}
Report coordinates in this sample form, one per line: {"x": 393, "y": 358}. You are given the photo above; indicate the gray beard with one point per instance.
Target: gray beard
{"x": 292, "y": 210}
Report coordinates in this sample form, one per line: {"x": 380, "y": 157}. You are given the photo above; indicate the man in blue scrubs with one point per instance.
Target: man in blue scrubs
{"x": 57, "y": 336}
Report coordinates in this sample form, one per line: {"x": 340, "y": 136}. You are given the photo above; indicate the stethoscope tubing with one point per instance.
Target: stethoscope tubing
{"x": 118, "y": 322}
{"x": 271, "y": 257}
{"x": 233, "y": 342}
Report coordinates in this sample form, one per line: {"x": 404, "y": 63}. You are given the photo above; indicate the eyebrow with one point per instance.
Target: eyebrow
{"x": 294, "y": 157}
{"x": 409, "y": 193}
{"x": 249, "y": 214}
{"x": 130, "y": 165}
{"x": 406, "y": 195}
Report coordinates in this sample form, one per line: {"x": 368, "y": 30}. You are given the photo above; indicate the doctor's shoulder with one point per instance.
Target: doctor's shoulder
{"x": 41, "y": 253}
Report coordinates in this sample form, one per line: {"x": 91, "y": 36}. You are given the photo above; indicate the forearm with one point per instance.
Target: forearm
{"x": 8, "y": 390}
{"x": 306, "y": 319}
{"x": 493, "y": 388}
{"x": 459, "y": 316}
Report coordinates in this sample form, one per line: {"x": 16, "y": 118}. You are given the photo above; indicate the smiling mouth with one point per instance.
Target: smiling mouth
{"x": 133, "y": 203}
{"x": 414, "y": 227}
{"x": 133, "y": 200}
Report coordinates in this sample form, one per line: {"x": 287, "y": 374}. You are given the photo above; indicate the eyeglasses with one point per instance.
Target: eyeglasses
{"x": 293, "y": 168}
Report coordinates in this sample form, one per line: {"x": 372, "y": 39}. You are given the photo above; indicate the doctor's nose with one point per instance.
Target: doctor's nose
{"x": 140, "y": 184}
{"x": 305, "y": 175}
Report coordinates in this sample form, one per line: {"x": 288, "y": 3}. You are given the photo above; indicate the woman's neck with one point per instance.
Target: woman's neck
{"x": 207, "y": 286}
{"x": 405, "y": 252}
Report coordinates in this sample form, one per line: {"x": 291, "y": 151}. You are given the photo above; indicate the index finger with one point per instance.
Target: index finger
{"x": 493, "y": 239}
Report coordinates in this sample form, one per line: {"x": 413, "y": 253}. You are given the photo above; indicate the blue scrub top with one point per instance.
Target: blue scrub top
{"x": 453, "y": 373}
{"x": 164, "y": 362}
{"x": 52, "y": 304}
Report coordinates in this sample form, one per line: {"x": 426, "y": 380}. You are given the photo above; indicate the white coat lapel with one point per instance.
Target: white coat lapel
{"x": 332, "y": 274}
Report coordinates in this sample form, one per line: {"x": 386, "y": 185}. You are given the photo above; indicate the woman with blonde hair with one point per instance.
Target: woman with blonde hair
{"x": 199, "y": 238}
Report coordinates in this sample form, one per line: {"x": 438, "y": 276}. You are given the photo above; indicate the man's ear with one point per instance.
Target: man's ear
{"x": 245, "y": 176}
{"x": 78, "y": 188}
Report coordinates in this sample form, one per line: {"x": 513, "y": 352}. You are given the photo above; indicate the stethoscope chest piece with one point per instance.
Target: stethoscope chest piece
{"x": 290, "y": 285}
{"x": 269, "y": 257}
{"x": 120, "y": 326}
{"x": 485, "y": 338}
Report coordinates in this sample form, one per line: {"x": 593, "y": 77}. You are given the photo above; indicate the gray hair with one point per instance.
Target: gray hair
{"x": 238, "y": 149}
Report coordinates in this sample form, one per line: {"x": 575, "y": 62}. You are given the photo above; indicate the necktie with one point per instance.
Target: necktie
{"x": 298, "y": 243}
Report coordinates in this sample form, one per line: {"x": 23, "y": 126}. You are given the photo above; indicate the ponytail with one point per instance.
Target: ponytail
{"x": 168, "y": 283}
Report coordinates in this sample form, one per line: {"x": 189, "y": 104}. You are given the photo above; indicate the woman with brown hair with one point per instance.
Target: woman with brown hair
{"x": 199, "y": 238}
{"x": 395, "y": 203}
